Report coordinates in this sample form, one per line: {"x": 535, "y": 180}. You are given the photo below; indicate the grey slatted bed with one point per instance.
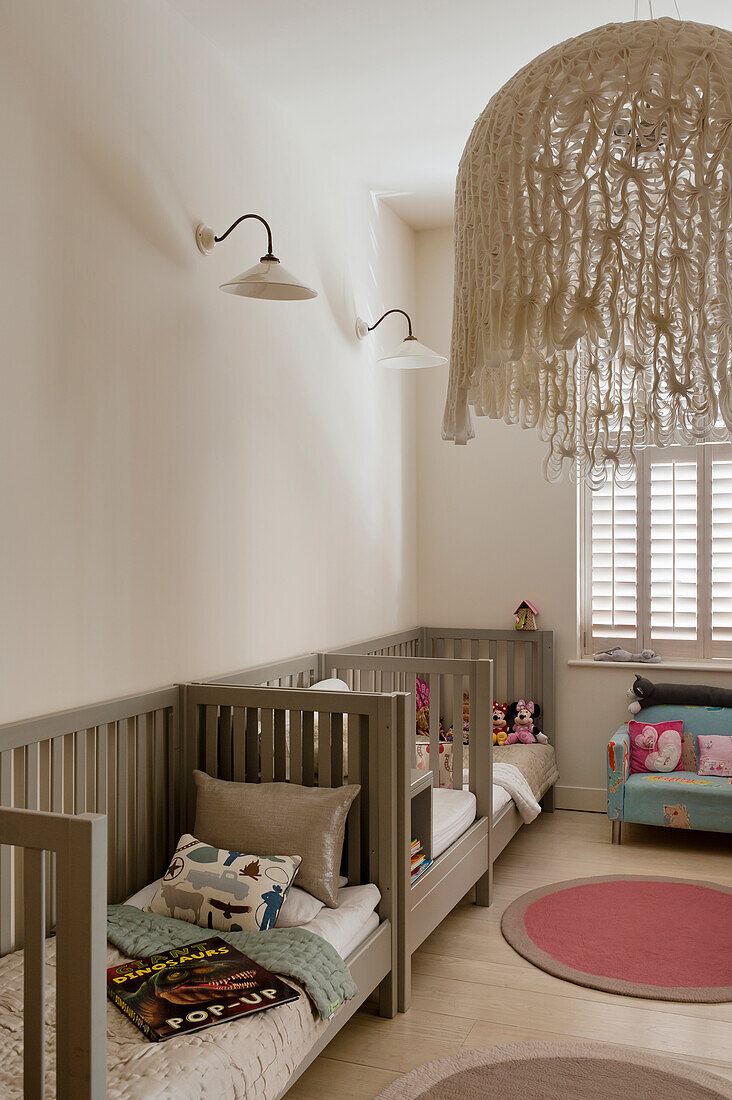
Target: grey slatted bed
{"x": 124, "y": 767}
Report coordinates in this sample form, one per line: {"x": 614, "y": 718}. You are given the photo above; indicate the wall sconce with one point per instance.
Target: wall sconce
{"x": 267, "y": 279}
{"x": 410, "y": 354}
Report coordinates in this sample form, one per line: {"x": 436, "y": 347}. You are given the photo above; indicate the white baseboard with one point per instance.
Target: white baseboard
{"x": 581, "y": 798}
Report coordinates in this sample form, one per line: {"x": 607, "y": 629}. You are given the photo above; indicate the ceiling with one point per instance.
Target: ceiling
{"x": 394, "y": 86}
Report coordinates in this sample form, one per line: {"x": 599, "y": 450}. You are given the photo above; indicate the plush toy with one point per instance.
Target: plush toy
{"x": 500, "y": 729}
{"x": 523, "y": 714}
{"x": 423, "y": 713}
{"x": 644, "y": 693}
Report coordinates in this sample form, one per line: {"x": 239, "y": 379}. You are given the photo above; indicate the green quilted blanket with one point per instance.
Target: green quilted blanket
{"x": 291, "y": 952}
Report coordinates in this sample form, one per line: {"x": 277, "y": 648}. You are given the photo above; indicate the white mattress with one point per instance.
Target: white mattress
{"x": 452, "y": 813}
{"x": 345, "y": 928}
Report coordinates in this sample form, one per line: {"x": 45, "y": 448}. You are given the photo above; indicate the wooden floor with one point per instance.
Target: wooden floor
{"x": 470, "y": 989}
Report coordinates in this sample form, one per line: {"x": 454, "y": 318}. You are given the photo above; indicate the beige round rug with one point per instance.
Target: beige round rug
{"x": 557, "y": 1071}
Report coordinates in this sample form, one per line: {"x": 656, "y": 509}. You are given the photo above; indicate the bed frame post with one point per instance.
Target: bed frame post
{"x": 405, "y": 752}
{"x": 484, "y": 769}
{"x": 81, "y": 1026}
{"x": 547, "y": 686}
{"x": 391, "y": 721}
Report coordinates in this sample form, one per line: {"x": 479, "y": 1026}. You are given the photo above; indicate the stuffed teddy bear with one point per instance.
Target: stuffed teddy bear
{"x": 500, "y": 728}
{"x": 523, "y": 713}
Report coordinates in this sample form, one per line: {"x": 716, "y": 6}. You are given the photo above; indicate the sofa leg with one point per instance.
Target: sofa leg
{"x": 617, "y": 832}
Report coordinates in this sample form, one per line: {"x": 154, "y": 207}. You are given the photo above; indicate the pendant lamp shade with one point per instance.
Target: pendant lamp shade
{"x": 269, "y": 279}
{"x": 593, "y": 268}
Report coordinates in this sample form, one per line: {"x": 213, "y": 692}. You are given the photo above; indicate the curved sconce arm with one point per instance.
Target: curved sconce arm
{"x": 403, "y": 312}
{"x": 206, "y": 239}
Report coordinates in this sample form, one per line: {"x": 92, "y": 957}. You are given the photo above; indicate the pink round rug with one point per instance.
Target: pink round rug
{"x": 661, "y": 938}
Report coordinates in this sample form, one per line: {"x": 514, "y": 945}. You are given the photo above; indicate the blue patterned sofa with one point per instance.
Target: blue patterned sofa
{"x": 679, "y": 800}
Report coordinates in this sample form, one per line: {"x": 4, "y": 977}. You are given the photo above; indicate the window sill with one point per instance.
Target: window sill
{"x": 713, "y": 664}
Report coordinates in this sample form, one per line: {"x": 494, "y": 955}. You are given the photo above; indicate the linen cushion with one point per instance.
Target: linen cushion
{"x": 655, "y": 748}
{"x": 219, "y": 888}
{"x": 279, "y": 818}
{"x": 715, "y": 755}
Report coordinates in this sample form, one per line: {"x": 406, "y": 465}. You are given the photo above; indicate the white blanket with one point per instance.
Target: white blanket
{"x": 512, "y": 780}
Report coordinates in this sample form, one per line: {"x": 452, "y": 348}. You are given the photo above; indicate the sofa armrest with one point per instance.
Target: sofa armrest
{"x": 618, "y": 769}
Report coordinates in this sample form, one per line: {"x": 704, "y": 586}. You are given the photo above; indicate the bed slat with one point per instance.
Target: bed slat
{"x": 457, "y": 732}
{"x": 267, "y": 746}
{"x": 239, "y": 746}
{"x": 295, "y": 746}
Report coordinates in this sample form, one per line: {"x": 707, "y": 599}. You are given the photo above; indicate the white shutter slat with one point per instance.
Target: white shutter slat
{"x": 673, "y": 549}
{"x": 613, "y": 562}
{"x": 721, "y": 528}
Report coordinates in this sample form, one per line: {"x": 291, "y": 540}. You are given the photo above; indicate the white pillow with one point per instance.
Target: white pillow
{"x": 299, "y": 907}
{"x": 143, "y": 898}
{"x": 330, "y": 685}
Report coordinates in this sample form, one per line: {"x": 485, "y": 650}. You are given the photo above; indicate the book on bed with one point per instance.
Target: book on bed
{"x": 189, "y": 988}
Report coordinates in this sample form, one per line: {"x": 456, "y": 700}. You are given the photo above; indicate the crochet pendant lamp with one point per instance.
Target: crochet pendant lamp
{"x": 593, "y": 228}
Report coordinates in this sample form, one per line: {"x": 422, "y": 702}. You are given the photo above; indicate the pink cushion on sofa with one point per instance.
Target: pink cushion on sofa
{"x": 655, "y": 748}
{"x": 715, "y": 754}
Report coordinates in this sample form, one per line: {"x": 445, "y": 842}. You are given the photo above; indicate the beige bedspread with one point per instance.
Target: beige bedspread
{"x": 248, "y": 1059}
{"x": 538, "y": 763}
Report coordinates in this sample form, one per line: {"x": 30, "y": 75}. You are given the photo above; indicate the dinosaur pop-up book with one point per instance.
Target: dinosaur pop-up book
{"x": 193, "y": 987}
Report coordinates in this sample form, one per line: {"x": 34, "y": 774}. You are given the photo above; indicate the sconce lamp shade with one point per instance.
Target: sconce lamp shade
{"x": 410, "y": 354}
{"x": 269, "y": 279}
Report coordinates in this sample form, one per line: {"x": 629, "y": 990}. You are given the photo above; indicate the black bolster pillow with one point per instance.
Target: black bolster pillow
{"x": 649, "y": 694}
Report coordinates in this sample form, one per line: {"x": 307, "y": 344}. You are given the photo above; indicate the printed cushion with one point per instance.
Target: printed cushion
{"x": 655, "y": 748}
{"x": 715, "y": 755}
{"x": 229, "y": 891}
{"x": 423, "y": 761}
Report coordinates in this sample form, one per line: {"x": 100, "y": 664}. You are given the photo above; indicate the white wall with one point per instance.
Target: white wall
{"x": 492, "y": 532}
{"x": 190, "y": 482}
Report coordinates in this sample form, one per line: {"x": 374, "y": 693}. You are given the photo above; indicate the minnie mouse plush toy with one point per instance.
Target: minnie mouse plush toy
{"x": 500, "y": 729}
{"x": 523, "y": 724}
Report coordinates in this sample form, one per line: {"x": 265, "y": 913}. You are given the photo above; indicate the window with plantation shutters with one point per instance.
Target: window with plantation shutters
{"x": 657, "y": 556}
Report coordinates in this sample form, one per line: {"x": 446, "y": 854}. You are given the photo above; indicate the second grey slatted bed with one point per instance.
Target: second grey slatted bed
{"x": 521, "y": 665}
